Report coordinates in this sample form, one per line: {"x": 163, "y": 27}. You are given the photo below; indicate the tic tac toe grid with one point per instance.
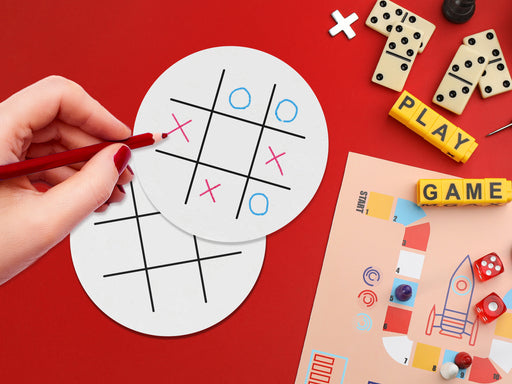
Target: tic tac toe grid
{"x": 153, "y": 278}
{"x": 146, "y": 269}
{"x": 246, "y": 149}
{"x": 260, "y": 125}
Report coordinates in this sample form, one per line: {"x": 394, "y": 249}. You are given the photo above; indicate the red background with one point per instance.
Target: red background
{"x": 49, "y": 329}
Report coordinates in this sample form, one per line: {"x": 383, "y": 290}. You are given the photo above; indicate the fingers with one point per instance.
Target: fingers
{"x": 69, "y": 136}
{"x": 55, "y": 97}
{"x": 55, "y": 176}
{"x": 72, "y": 200}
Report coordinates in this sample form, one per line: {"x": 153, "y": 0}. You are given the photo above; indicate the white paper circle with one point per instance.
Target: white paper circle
{"x": 153, "y": 278}
{"x": 247, "y": 146}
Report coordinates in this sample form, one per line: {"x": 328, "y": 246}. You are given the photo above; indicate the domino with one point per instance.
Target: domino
{"x": 460, "y": 79}
{"x": 433, "y": 127}
{"x": 397, "y": 57}
{"x": 496, "y": 77}
{"x": 386, "y": 13}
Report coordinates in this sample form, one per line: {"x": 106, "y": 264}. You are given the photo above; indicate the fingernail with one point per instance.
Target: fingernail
{"x": 130, "y": 169}
{"x": 121, "y": 188}
{"x": 121, "y": 158}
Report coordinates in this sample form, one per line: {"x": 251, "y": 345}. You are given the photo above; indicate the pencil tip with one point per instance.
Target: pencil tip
{"x": 164, "y": 135}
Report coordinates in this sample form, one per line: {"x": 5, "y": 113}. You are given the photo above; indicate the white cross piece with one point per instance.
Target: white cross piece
{"x": 343, "y": 24}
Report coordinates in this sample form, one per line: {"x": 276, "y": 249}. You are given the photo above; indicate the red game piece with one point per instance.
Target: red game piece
{"x": 488, "y": 266}
{"x": 490, "y": 308}
{"x": 463, "y": 360}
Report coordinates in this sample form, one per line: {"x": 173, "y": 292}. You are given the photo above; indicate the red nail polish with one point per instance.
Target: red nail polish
{"x": 130, "y": 169}
{"x": 121, "y": 158}
{"x": 121, "y": 188}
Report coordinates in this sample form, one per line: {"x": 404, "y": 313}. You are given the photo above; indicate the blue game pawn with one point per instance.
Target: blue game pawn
{"x": 403, "y": 292}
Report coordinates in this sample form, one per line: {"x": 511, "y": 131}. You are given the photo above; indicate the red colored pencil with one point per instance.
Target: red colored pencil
{"x": 73, "y": 156}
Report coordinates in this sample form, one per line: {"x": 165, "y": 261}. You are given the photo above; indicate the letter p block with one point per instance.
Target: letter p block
{"x": 404, "y": 107}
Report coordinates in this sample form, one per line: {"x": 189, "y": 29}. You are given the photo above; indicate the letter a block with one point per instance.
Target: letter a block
{"x": 433, "y": 127}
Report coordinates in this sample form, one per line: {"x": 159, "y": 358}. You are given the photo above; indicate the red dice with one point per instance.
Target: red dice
{"x": 490, "y": 308}
{"x": 488, "y": 266}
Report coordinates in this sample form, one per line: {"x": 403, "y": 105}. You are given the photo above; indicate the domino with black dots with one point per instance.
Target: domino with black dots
{"x": 460, "y": 79}
{"x": 397, "y": 57}
{"x": 385, "y": 14}
{"x": 496, "y": 77}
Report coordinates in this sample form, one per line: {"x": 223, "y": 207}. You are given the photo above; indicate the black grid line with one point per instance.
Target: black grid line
{"x": 262, "y": 128}
{"x": 238, "y": 118}
{"x": 223, "y": 169}
{"x": 125, "y": 218}
{"x": 205, "y": 258}
{"x": 263, "y": 125}
{"x": 142, "y": 248}
{"x": 197, "y": 257}
{"x": 204, "y": 137}
{"x": 200, "y": 269}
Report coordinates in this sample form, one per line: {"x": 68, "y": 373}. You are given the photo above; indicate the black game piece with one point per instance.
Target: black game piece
{"x": 458, "y": 11}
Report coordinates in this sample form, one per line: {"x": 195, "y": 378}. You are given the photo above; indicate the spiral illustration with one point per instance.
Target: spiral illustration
{"x": 363, "y": 322}
{"x": 371, "y": 276}
{"x": 367, "y": 298}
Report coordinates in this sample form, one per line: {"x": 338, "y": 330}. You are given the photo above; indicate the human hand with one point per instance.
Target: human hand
{"x": 50, "y": 116}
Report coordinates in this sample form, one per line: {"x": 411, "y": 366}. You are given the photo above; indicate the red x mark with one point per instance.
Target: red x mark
{"x": 210, "y": 189}
{"x": 274, "y": 157}
{"x": 180, "y": 127}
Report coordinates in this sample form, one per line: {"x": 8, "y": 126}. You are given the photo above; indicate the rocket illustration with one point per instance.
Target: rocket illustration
{"x": 454, "y": 319}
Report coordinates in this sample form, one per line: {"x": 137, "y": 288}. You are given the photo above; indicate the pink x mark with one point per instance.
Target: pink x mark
{"x": 210, "y": 189}
{"x": 274, "y": 157}
{"x": 180, "y": 127}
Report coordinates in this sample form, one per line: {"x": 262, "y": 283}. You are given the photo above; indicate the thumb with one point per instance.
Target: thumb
{"x": 71, "y": 201}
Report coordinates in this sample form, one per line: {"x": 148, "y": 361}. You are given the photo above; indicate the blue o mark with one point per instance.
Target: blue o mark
{"x": 240, "y": 98}
{"x": 266, "y": 204}
{"x": 290, "y": 111}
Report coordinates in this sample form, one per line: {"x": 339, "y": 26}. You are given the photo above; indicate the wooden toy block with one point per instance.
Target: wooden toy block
{"x": 433, "y": 127}
{"x": 422, "y": 120}
{"x": 404, "y": 107}
{"x": 386, "y": 13}
{"x": 496, "y": 77}
{"x": 429, "y": 192}
{"x": 460, "y": 146}
{"x": 473, "y": 191}
{"x": 452, "y": 192}
{"x": 497, "y": 191}
{"x": 397, "y": 57}
{"x": 440, "y": 132}
{"x": 456, "y": 192}
{"x": 460, "y": 79}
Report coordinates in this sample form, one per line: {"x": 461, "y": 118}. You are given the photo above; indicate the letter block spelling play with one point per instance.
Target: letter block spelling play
{"x": 453, "y": 192}
{"x": 433, "y": 127}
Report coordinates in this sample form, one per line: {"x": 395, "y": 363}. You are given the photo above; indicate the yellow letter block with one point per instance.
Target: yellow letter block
{"x": 454, "y": 192}
{"x": 433, "y": 127}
